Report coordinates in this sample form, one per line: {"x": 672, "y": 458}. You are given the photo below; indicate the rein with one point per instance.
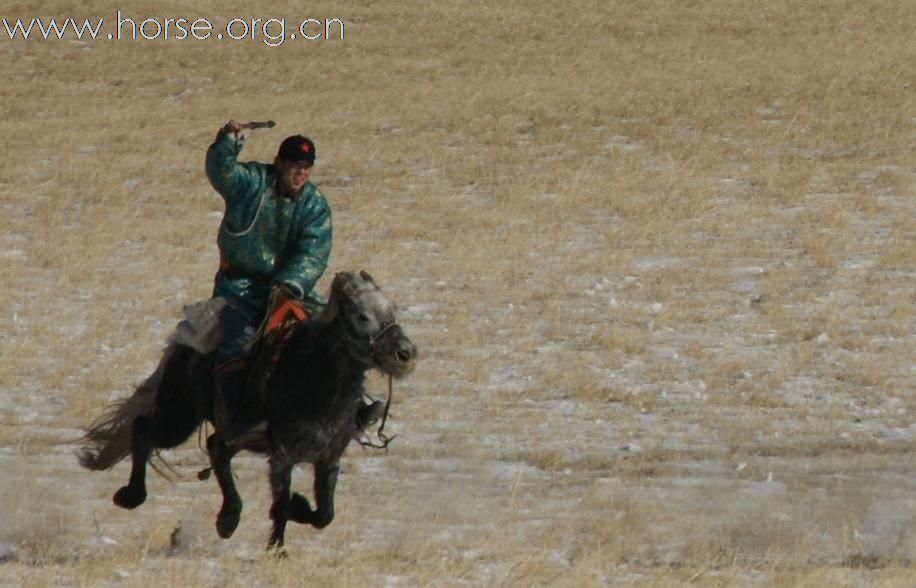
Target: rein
{"x": 385, "y": 439}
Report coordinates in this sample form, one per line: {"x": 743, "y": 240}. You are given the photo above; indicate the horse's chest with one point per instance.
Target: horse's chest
{"x": 317, "y": 443}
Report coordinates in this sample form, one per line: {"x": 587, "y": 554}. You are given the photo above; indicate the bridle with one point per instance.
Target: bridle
{"x": 373, "y": 340}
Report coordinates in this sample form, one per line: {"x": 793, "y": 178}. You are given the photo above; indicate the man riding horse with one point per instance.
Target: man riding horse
{"x": 274, "y": 244}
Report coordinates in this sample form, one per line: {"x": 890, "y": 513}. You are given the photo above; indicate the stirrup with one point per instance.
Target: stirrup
{"x": 369, "y": 414}
{"x": 238, "y": 435}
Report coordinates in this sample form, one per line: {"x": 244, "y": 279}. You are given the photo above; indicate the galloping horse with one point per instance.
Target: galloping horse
{"x": 310, "y": 400}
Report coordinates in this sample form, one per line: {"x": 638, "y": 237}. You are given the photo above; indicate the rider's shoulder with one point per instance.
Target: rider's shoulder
{"x": 312, "y": 196}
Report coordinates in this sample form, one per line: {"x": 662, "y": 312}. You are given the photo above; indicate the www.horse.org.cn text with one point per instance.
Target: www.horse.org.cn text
{"x": 272, "y": 32}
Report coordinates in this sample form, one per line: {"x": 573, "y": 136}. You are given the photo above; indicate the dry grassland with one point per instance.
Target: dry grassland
{"x": 659, "y": 258}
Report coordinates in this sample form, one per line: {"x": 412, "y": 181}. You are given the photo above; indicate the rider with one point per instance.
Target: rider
{"x": 274, "y": 244}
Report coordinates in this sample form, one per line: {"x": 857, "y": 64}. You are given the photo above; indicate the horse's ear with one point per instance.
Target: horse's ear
{"x": 330, "y": 310}
{"x": 365, "y": 276}
{"x": 340, "y": 287}
{"x": 343, "y": 284}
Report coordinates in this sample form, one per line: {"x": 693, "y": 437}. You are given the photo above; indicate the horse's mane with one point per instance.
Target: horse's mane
{"x": 303, "y": 338}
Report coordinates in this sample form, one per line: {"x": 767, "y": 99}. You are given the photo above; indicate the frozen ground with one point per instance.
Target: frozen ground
{"x": 502, "y": 469}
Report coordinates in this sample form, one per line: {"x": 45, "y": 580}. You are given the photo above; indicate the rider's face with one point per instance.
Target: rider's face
{"x": 293, "y": 174}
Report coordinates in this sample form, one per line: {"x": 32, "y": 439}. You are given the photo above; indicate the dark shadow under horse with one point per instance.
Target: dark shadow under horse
{"x": 310, "y": 403}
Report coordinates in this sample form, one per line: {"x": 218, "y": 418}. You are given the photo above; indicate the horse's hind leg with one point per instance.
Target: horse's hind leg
{"x": 134, "y": 493}
{"x": 221, "y": 460}
{"x": 172, "y": 422}
{"x": 325, "y": 483}
{"x": 148, "y": 433}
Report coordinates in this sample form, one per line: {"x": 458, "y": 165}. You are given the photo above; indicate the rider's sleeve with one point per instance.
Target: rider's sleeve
{"x": 230, "y": 178}
{"x": 308, "y": 256}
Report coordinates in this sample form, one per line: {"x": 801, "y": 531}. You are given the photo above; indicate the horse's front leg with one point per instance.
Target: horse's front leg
{"x": 134, "y": 493}
{"x": 325, "y": 483}
{"x": 221, "y": 460}
{"x": 280, "y": 477}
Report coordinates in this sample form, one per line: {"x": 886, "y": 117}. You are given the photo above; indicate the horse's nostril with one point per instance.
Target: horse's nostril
{"x": 403, "y": 356}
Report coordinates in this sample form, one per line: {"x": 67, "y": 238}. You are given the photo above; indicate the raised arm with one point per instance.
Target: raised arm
{"x": 227, "y": 176}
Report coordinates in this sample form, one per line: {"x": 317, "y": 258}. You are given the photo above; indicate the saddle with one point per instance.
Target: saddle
{"x": 267, "y": 347}
{"x": 200, "y": 331}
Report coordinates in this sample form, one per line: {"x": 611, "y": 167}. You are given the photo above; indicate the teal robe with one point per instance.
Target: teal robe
{"x": 265, "y": 239}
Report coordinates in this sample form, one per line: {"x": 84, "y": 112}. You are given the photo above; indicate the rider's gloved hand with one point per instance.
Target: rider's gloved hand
{"x": 233, "y": 126}
{"x": 284, "y": 303}
{"x": 281, "y": 293}
{"x": 235, "y": 129}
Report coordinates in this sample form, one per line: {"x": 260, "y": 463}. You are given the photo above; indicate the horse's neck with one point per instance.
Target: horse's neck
{"x": 320, "y": 344}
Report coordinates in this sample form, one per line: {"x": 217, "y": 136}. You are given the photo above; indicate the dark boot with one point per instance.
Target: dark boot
{"x": 237, "y": 426}
{"x": 369, "y": 414}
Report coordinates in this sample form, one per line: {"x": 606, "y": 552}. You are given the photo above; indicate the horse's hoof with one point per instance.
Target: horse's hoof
{"x": 227, "y": 521}
{"x": 127, "y": 498}
{"x": 277, "y": 551}
{"x": 300, "y": 510}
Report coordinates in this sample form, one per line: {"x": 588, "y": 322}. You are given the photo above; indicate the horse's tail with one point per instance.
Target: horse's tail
{"x": 108, "y": 440}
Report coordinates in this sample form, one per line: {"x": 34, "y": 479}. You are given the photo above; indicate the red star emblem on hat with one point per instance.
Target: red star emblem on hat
{"x": 306, "y": 148}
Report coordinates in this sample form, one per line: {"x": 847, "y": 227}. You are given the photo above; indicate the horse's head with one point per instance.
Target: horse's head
{"x": 371, "y": 323}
